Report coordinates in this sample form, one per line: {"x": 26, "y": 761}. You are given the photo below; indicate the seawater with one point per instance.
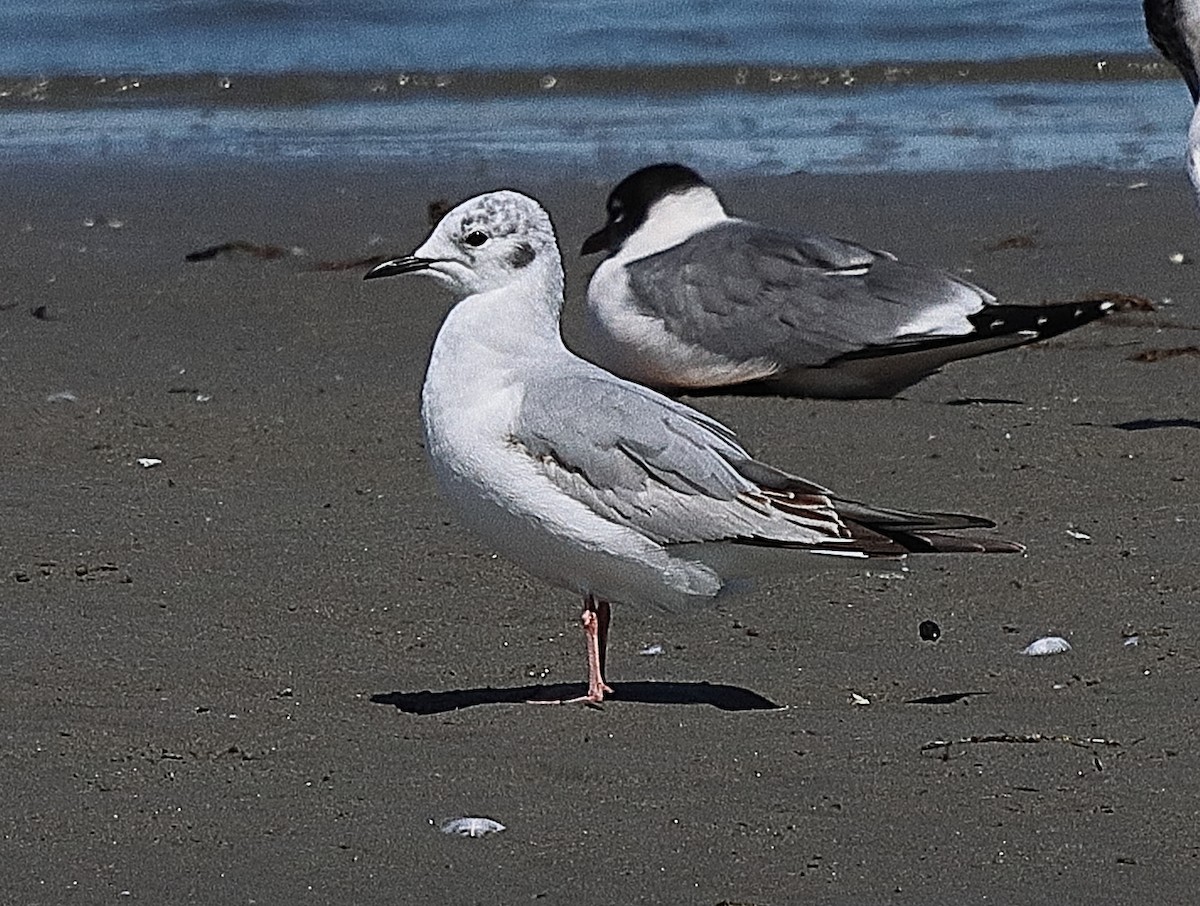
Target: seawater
{"x": 597, "y": 86}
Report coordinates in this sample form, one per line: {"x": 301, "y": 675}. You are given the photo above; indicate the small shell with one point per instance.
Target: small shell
{"x": 149, "y": 462}
{"x": 472, "y": 827}
{"x": 1051, "y": 644}
{"x": 651, "y": 650}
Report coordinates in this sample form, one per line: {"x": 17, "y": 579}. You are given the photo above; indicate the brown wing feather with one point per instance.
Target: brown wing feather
{"x": 873, "y": 532}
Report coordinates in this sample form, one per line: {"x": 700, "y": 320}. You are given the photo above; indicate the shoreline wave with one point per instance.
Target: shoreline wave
{"x": 216, "y": 89}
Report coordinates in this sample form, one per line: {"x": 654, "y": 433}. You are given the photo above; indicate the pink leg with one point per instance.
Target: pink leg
{"x": 596, "y": 617}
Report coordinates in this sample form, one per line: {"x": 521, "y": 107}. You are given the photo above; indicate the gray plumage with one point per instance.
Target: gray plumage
{"x": 746, "y": 291}
{"x": 675, "y": 475}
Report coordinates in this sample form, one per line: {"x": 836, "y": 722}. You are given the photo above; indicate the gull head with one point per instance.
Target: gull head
{"x": 483, "y": 244}
{"x": 660, "y": 191}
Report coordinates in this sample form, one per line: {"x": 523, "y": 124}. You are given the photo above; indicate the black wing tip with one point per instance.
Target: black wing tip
{"x": 930, "y": 533}
{"x": 1041, "y": 322}
{"x": 1024, "y": 324}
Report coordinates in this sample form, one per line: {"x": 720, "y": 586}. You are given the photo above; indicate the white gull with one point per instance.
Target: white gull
{"x": 588, "y": 481}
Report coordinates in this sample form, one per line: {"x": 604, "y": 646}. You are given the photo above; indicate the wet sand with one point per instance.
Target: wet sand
{"x": 262, "y": 670}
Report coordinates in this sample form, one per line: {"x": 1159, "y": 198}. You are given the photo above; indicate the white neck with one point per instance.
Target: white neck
{"x": 487, "y": 345}
{"x": 504, "y": 327}
{"x": 671, "y": 220}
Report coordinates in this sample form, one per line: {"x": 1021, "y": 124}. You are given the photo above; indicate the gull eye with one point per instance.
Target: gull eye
{"x": 475, "y": 238}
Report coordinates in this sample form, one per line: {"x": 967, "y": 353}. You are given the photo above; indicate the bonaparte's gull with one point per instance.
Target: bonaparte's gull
{"x": 692, "y": 299}
{"x": 1174, "y": 27}
{"x": 588, "y": 481}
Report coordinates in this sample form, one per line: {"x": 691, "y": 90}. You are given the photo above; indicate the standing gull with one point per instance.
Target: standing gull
{"x": 691, "y": 299}
{"x": 588, "y": 481}
{"x": 1174, "y": 27}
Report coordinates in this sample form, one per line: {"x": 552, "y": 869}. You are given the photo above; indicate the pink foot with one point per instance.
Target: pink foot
{"x": 596, "y": 617}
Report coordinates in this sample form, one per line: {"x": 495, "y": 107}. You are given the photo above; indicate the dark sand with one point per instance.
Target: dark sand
{"x": 213, "y": 672}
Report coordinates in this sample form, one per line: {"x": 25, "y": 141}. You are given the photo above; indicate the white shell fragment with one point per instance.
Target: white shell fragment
{"x": 1051, "y": 644}
{"x": 472, "y": 827}
{"x": 1079, "y": 536}
{"x": 651, "y": 650}
{"x": 149, "y": 462}
{"x": 861, "y": 700}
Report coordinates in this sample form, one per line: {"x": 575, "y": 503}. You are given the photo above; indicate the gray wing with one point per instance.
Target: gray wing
{"x": 646, "y": 462}
{"x": 745, "y": 291}
{"x": 659, "y": 467}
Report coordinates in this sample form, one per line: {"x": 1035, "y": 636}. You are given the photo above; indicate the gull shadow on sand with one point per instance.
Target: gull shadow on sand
{"x": 720, "y": 696}
{"x": 943, "y": 698}
{"x": 1150, "y": 424}
{"x": 984, "y": 401}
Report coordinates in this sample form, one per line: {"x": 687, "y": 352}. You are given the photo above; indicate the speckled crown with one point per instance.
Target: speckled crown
{"x": 503, "y": 213}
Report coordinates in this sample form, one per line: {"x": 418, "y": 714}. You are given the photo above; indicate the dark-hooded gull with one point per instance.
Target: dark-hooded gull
{"x": 693, "y": 299}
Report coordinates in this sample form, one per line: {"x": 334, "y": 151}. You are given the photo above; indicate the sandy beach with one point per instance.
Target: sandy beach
{"x": 265, "y": 668}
